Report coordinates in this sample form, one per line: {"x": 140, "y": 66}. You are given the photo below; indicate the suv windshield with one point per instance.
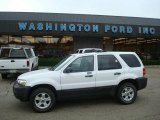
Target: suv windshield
{"x": 61, "y": 63}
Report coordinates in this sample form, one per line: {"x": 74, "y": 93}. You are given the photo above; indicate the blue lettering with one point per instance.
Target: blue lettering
{"x": 152, "y": 31}
{"x": 63, "y": 27}
{"x": 139, "y": 30}
{"x": 87, "y": 28}
{"x": 95, "y": 28}
{"x": 22, "y": 25}
{"x": 107, "y": 28}
{"x": 40, "y": 26}
{"x": 79, "y": 27}
{"x": 72, "y": 27}
{"x": 121, "y": 29}
{"x": 31, "y": 26}
{"x": 48, "y": 26}
{"x": 55, "y": 27}
{"x": 145, "y": 30}
{"x": 129, "y": 29}
{"x": 114, "y": 29}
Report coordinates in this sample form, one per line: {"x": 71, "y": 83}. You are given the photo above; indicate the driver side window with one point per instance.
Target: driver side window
{"x": 82, "y": 64}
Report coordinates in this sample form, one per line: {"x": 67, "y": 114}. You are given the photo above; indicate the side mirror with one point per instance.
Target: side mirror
{"x": 68, "y": 70}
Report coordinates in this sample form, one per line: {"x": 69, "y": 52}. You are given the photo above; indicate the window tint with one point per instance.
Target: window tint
{"x": 88, "y": 51}
{"x": 29, "y": 53}
{"x": 80, "y": 51}
{"x": 131, "y": 60}
{"x": 17, "y": 53}
{"x": 5, "y": 52}
{"x": 98, "y": 50}
{"x": 82, "y": 64}
{"x": 107, "y": 62}
{"x": 92, "y": 50}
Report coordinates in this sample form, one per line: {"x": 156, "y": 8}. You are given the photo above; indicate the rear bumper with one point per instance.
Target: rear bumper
{"x": 14, "y": 70}
{"x": 21, "y": 92}
{"x": 141, "y": 82}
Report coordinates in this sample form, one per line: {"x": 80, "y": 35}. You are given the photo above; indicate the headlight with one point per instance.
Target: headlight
{"x": 22, "y": 82}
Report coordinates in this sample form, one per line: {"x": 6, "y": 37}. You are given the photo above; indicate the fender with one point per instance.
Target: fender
{"x": 39, "y": 81}
{"x": 127, "y": 76}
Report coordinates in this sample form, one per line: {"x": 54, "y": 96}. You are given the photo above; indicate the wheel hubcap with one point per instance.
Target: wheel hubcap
{"x": 42, "y": 100}
{"x": 127, "y": 94}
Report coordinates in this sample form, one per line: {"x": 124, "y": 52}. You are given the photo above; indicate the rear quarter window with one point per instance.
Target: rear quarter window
{"x": 131, "y": 60}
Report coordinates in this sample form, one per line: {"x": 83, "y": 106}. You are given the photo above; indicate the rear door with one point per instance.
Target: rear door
{"x": 109, "y": 70}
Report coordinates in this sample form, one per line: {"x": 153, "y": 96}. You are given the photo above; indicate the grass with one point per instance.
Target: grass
{"x": 48, "y": 61}
{"x": 151, "y": 62}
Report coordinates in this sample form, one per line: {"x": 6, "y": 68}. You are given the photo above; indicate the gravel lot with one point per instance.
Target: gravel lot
{"x": 146, "y": 107}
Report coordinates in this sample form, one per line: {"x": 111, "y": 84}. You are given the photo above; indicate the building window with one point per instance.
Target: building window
{"x": 146, "y": 48}
{"x": 3, "y": 39}
{"x": 15, "y": 40}
{"x": 28, "y": 39}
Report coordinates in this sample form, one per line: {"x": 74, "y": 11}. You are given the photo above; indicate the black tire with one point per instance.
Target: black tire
{"x": 39, "y": 104}
{"x": 127, "y": 93}
{"x": 4, "y": 76}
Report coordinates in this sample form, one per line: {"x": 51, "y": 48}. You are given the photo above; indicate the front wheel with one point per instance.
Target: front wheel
{"x": 126, "y": 93}
{"x": 42, "y": 100}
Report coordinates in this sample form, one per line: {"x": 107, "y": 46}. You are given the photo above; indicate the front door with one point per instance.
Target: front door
{"x": 79, "y": 77}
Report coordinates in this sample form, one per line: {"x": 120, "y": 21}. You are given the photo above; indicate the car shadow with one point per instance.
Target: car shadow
{"x": 85, "y": 102}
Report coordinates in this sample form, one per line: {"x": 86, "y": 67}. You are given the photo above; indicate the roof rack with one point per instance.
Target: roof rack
{"x": 16, "y": 46}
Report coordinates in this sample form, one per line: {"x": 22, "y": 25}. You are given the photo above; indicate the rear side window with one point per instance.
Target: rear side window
{"x": 29, "y": 53}
{"x": 5, "y": 53}
{"x": 80, "y": 51}
{"x": 131, "y": 60}
{"x": 88, "y": 51}
{"x": 108, "y": 62}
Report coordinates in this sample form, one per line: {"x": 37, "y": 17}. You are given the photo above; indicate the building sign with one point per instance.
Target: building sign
{"x": 95, "y": 28}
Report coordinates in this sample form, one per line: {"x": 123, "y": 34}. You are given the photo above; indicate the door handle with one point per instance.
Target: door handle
{"x": 12, "y": 61}
{"x": 117, "y": 73}
{"x": 89, "y": 76}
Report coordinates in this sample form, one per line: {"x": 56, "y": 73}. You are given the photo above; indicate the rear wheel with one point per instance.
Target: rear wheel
{"x": 42, "y": 100}
{"x": 126, "y": 93}
{"x": 4, "y": 76}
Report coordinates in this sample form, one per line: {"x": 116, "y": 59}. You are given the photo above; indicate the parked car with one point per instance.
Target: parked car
{"x": 89, "y": 50}
{"x": 17, "y": 59}
{"x": 120, "y": 74}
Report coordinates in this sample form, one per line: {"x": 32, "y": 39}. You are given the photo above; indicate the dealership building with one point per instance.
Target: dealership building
{"x": 54, "y": 34}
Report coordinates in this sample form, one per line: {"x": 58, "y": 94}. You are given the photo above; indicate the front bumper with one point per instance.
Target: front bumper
{"x": 141, "y": 83}
{"x": 21, "y": 92}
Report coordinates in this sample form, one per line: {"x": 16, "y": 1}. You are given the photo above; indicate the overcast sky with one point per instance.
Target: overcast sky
{"x": 135, "y": 8}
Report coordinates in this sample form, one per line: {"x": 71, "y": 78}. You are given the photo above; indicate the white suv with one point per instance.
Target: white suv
{"x": 116, "y": 73}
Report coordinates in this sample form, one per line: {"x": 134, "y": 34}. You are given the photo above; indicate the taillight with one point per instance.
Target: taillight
{"x": 27, "y": 63}
{"x": 144, "y": 72}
